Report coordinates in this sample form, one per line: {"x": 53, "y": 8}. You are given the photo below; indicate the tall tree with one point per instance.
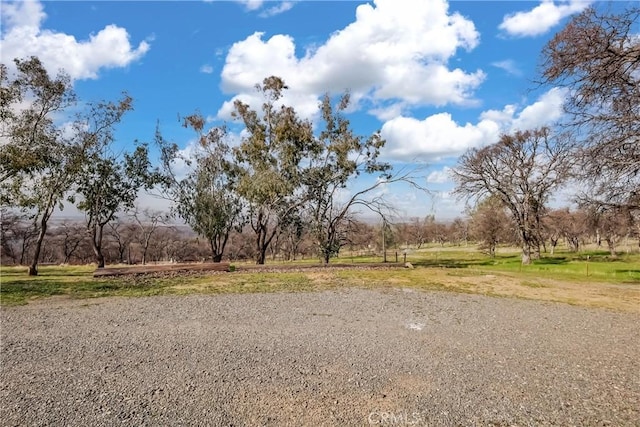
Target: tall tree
{"x": 110, "y": 184}
{"x": 338, "y": 157}
{"x": 269, "y": 173}
{"x": 109, "y": 180}
{"x": 597, "y": 58}
{"x": 521, "y": 170}
{"x": 206, "y": 198}
{"x": 39, "y": 162}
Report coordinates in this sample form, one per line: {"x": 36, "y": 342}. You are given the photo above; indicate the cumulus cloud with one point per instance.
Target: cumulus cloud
{"x": 394, "y": 52}
{"x": 23, "y": 36}
{"x": 434, "y": 138}
{"x": 439, "y": 137}
{"x": 545, "y": 111}
{"x": 541, "y": 18}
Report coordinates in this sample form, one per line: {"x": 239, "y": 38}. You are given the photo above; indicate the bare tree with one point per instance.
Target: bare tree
{"x": 521, "y": 170}
{"x": 69, "y": 236}
{"x": 597, "y": 58}
{"x": 490, "y": 225}
{"x": 613, "y": 224}
{"x": 147, "y": 222}
{"x": 564, "y": 223}
{"x": 122, "y": 234}
{"x": 18, "y": 235}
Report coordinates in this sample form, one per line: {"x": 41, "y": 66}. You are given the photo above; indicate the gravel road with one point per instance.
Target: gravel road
{"x": 339, "y": 358}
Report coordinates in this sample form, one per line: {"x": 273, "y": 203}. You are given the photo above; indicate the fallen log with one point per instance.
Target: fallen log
{"x": 150, "y": 269}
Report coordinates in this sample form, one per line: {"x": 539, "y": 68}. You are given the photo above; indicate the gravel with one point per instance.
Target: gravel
{"x": 338, "y": 358}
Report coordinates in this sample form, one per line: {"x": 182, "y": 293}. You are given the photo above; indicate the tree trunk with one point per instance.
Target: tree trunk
{"x": 33, "y": 268}
{"x": 96, "y": 244}
{"x": 612, "y": 247}
{"x": 492, "y": 250}
{"x": 526, "y": 253}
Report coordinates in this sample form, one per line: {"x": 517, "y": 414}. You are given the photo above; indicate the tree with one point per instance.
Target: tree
{"x": 338, "y": 157}
{"x": 459, "y": 231}
{"x": 597, "y": 58}
{"x": 268, "y": 162}
{"x": 147, "y": 223}
{"x": 17, "y": 236}
{"x": 612, "y": 224}
{"x": 570, "y": 225}
{"x": 521, "y": 170}
{"x": 109, "y": 181}
{"x": 38, "y": 163}
{"x": 69, "y": 237}
{"x": 206, "y": 198}
{"x": 109, "y": 184}
{"x": 490, "y": 224}
{"x": 122, "y": 234}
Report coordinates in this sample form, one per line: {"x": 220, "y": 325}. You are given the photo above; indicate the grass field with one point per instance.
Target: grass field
{"x": 586, "y": 279}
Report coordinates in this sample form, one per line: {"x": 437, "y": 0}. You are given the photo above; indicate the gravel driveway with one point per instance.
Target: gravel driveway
{"x": 338, "y": 358}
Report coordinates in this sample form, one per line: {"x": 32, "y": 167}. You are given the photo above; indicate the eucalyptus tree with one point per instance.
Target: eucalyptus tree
{"x": 205, "y": 198}
{"x": 521, "y": 170}
{"x": 110, "y": 179}
{"x": 38, "y": 160}
{"x": 269, "y": 162}
{"x": 597, "y": 58}
{"x": 339, "y": 157}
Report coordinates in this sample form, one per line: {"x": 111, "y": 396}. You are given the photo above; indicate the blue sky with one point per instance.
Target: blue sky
{"x": 436, "y": 77}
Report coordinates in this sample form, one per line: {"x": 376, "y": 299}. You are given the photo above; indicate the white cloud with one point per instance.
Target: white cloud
{"x": 393, "y": 51}
{"x": 276, "y": 10}
{"x": 206, "y": 68}
{"x": 541, "y": 18}
{"x": 438, "y": 136}
{"x": 251, "y": 5}
{"x": 439, "y": 177}
{"x": 23, "y": 36}
{"x": 509, "y": 66}
{"x": 545, "y": 111}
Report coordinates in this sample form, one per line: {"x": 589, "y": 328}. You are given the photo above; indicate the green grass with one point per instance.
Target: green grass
{"x": 460, "y": 269}
{"x": 589, "y": 266}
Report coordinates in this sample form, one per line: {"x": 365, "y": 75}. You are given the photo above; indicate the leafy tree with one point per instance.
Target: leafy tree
{"x": 109, "y": 181}
{"x": 38, "y": 162}
{"x": 206, "y": 198}
{"x": 109, "y": 184}
{"x": 268, "y": 160}
{"x": 521, "y": 170}
{"x": 597, "y": 58}
{"x": 338, "y": 157}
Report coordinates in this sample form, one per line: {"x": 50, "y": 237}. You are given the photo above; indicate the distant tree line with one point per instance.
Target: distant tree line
{"x": 149, "y": 237}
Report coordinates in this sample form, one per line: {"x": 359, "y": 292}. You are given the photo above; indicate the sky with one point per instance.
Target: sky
{"x": 436, "y": 77}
